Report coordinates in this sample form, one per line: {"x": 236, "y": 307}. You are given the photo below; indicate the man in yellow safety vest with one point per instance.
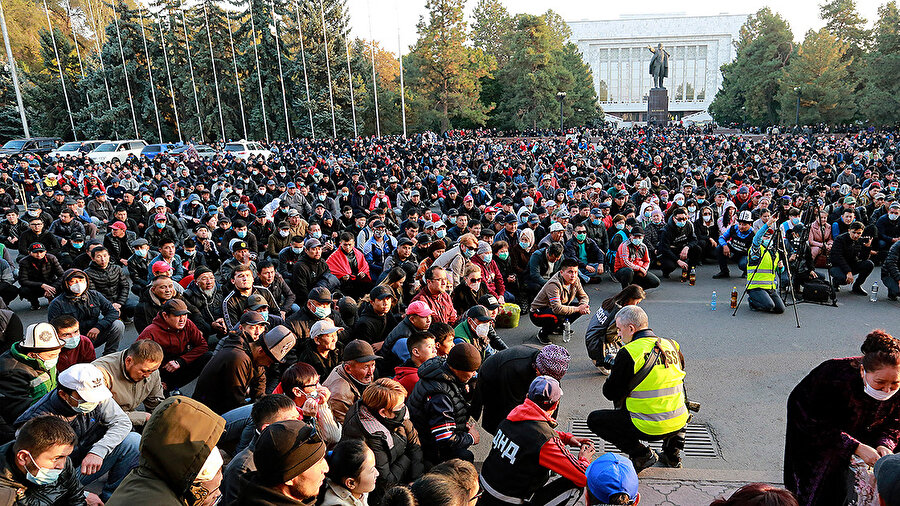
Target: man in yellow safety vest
{"x": 762, "y": 269}
{"x": 648, "y": 394}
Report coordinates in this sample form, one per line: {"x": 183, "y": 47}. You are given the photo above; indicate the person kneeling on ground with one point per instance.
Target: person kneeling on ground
{"x": 556, "y": 302}
{"x": 762, "y": 266}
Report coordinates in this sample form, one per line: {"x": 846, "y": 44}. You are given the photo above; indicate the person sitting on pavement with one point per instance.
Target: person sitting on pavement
{"x": 528, "y": 448}
{"x": 78, "y": 348}
{"x": 542, "y": 266}
{"x": 439, "y": 405}
{"x": 890, "y": 272}
{"x": 266, "y": 411}
{"x": 587, "y": 253}
{"x": 421, "y": 349}
{"x": 654, "y": 409}
{"x": 271, "y": 280}
{"x": 562, "y": 299}
{"x": 611, "y": 479}
{"x": 206, "y": 295}
{"x": 185, "y": 349}
{"x": 234, "y": 304}
{"x": 105, "y": 441}
{"x": 602, "y": 336}
{"x": 734, "y": 244}
{"x": 300, "y": 383}
{"x": 504, "y": 378}
{"x": 237, "y": 372}
{"x": 161, "y": 290}
{"x": 40, "y": 275}
{"x": 132, "y": 375}
{"x": 36, "y": 468}
{"x": 139, "y": 266}
{"x": 347, "y": 381}
{"x": 632, "y": 265}
{"x": 349, "y": 265}
{"x": 317, "y": 306}
{"x": 319, "y": 350}
{"x": 109, "y": 279}
{"x": 454, "y": 260}
{"x": 311, "y": 271}
{"x": 678, "y": 244}
{"x": 469, "y": 290}
{"x": 849, "y": 257}
{"x": 92, "y": 309}
{"x": 351, "y": 474}
{"x": 394, "y": 350}
{"x": 179, "y": 461}
{"x": 436, "y": 295}
{"x": 27, "y": 373}
{"x": 376, "y": 320}
{"x": 491, "y": 277}
{"x": 475, "y": 329}
{"x": 290, "y": 466}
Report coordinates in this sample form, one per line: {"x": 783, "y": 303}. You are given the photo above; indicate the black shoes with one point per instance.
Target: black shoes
{"x": 858, "y": 290}
{"x": 722, "y": 275}
{"x": 543, "y": 338}
{"x": 641, "y": 463}
{"x": 673, "y": 461}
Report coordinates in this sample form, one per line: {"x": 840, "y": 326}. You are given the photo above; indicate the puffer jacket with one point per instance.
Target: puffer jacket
{"x": 307, "y": 272}
{"x": 439, "y": 408}
{"x": 16, "y": 490}
{"x": 33, "y": 273}
{"x": 138, "y": 267}
{"x": 91, "y": 308}
{"x": 176, "y": 442}
{"x": 209, "y": 309}
{"x": 398, "y": 456}
{"x": 111, "y": 282}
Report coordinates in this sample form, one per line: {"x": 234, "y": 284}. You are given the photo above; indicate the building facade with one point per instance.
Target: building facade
{"x": 618, "y": 54}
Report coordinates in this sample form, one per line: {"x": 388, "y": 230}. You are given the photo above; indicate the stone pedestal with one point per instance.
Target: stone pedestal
{"x": 658, "y": 107}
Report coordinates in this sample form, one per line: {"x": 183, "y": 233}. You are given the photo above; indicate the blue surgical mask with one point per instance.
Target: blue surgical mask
{"x": 595, "y": 221}
{"x": 43, "y": 476}
{"x": 679, "y": 202}
{"x": 701, "y": 201}
{"x": 692, "y": 209}
{"x": 316, "y": 234}
{"x": 440, "y": 234}
{"x": 637, "y": 241}
{"x": 241, "y": 234}
{"x": 487, "y": 257}
{"x": 620, "y": 226}
{"x": 160, "y": 225}
{"x": 264, "y": 315}
{"x": 296, "y": 250}
{"x": 468, "y": 252}
{"x": 140, "y": 252}
{"x": 323, "y": 311}
{"x": 72, "y": 342}
{"x": 524, "y": 245}
{"x": 190, "y": 253}
{"x": 680, "y": 224}
{"x": 77, "y": 245}
{"x": 322, "y": 198}
{"x": 795, "y": 220}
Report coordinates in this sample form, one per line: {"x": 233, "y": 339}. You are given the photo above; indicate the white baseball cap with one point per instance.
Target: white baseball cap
{"x": 87, "y": 380}
{"x": 322, "y": 327}
{"x": 41, "y": 337}
{"x": 556, "y": 227}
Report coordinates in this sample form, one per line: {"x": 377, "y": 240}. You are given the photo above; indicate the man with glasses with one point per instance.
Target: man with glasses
{"x": 36, "y": 233}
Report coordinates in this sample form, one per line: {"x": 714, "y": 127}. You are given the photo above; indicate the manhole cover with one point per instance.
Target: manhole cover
{"x": 698, "y": 441}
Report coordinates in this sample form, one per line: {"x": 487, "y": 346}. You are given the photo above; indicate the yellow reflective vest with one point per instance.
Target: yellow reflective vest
{"x": 657, "y": 404}
{"x": 762, "y": 275}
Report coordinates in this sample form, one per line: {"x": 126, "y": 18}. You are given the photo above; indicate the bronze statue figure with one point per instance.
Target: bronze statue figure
{"x": 659, "y": 65}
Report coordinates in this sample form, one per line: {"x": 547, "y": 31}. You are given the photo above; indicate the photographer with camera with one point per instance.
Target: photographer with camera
{"x": 647, "y": 386}
{"x": 849, "y": 256}
{"x": 762, "y": 270}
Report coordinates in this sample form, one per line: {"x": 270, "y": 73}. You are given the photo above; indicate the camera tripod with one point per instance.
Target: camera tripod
{"x": 780, "y": 250}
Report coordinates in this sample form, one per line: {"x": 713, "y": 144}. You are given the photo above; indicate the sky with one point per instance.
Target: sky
{"x": 388, "y": 15}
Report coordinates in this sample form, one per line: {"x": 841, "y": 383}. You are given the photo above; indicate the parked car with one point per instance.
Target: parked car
{"x": 203, "y": 151}
{"x": 34, "y": 146}
{"x": 116, "y": 150}
{"x": 245, "y": 149}
{"x": 74, "y": 148}
{"x": 151, "y": 150}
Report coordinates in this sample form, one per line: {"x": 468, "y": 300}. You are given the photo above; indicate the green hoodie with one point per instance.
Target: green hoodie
{"x": 42, "y": 383}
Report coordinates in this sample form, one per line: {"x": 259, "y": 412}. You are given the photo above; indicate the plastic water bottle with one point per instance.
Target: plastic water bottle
{"x": 712, "y": 302}
{"x": 567, "y": 331}
{"x": 873, "y": 293}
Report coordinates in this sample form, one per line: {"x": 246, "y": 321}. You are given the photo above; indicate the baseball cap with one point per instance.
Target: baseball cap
{"x": 636, "y": 230}
{"x": 510, "y": 218}
{"x": 887, "y": 477}
{"x": 849, "y": 200}
{"x": 489, "y": 301}
{"x": 359, "y": 351}
{"x": 256, "y": 301}
{"x": 612, "y": 474}
{"x": 544, "y": 391}
{"x": 40, "y": 337}
{"x": 118, "y": 225}
{"x": 533, "y": 218}
{"x": 87, "y": 380}
{"x": 419, "y": 308}
{"x": 175, "y": 307}
{"x": 557, "y": 227}
{"x": 160, "y": 267}
{"x": 320, "y": 294}
{"x": 251, "y": 318}
{"x": 479, "y": 313}
{"x": 746, "y": 217}
{"x": 36, "y": 247}
{"x": 323, "y": 326}
{"x": 380, "y": 292}
{"x": 285, "y": 450}
{"x": 278, "y": 341}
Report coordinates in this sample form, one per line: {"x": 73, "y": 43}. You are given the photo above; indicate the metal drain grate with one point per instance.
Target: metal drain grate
{"x": 698, "y": 443}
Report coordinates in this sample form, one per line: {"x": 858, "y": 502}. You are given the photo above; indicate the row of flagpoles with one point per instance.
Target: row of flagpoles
{"x": 94, "y": 25}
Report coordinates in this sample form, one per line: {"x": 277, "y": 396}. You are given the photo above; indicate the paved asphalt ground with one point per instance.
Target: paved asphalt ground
{"x": 741, "y": 369}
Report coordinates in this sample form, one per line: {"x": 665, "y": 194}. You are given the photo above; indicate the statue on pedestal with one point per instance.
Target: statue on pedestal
{"x": 659, "y": 65}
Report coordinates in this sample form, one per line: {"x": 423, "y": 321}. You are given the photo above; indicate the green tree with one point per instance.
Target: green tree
{"x": 750, "y": 82}
{"x": 581, "y": 106}
{"x": 820, "y": 72}
{"x": 844, "y": 22}
{"x": 45, "y": 98}
{"x": 446, "y": 71}
{"x": 880, "y": 97}
{"x": 10, "y": 121}
{"x": 491, "y": 23}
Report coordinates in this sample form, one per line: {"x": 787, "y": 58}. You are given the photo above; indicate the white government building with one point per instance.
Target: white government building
{"x": 617, "y": 53}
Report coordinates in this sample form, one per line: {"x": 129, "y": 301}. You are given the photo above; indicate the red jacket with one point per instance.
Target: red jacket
{"x": 407, "y": 376}
{"x": 184, "y": 346}
{"x": 84, "y": 353}
{"x": 340, "y": 267}
{"x": 555, "y": 454}
{"x": 491, "y": 276}
{"x": 632, "y": 257}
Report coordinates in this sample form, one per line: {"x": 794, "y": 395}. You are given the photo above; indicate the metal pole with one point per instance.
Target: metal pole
{"x": 350, "y": 77}
{"x": 96, "y": 27}
{"x": 212, "y": 62}
{"x": 561, "y": 113}
{"x": 798, "y": 109}
{"x": 402, "y": 90}
{"x": 150, "y": 74}
{"x": 187, "y": 46}
{"x": 125, "y": 72}
{"x": 87, "y": 95}
{"x": 262, "y": 101}
{"x": 13, "y": 73}
{"x": 374, "y": 80}
{"x": 312, "y": 130}
{"x": 237, "y": 81}
{"x": 328, "y": 69}
{"x": 62, "y": 79}
{"x": 287, "y": 121}
{"x": 162, "y": 41}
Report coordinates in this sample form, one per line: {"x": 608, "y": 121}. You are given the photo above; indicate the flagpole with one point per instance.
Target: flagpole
{"x": 187, "y": 46}
{"x": 150, "y": 74}
{"x": 287, "y": 123}
{"x": 262, "y": 100}
{"x": 212, "y": 62}
{"x": 125, "y": 72}
{"x": 62, "y": 80}
{"x": 312, "y": 129}
{"x": 237, "y": 81}
{"x": 374, "y": 80}
{"x": 162, "y": 42}
{"x": 402, "y": 91}
{"x": 12, "y": 71}
{"x": 87, "y": 95}
{"x": 328, "y": 69}
{"x": 350, "y": 78}
{"x": 96, "y": 27}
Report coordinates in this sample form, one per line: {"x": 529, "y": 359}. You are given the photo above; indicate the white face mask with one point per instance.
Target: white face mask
{"x": 878, "y": 395}
{"x": 78, "y": 288}
{"x": 482, "y": 329}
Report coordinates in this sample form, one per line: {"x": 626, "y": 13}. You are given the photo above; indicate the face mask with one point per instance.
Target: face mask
{"x": 283, "y": 233}
{"x": 86, "y": 407}
{"x": 345, "y": 194}
{"x": 296, "y": 250}
{"x": 691, "y": 209}
{"x": 620, "y": 226}
{"x": 140, "y": 252}
{"x": 440, "y": 234}
{"x": 379, "y": 234}
{"x": 580, "y": 237}
{"x": 71, "y": 343}
{"x": 679, "y": 202}
{"x": 160, "y": 225}
{"x": 524, "y": 245}
{"x": 190, "y": 253}
{"x": 322, "y": 198}
{"x": 680, "y": 224}
{"x": 78, "y": 288}
{"x": 43, "y": 476}
{"x": 878, "y": 395}
{"x": 595, "y": 221}
{"x": 795, "y": 221}
{"x": 316, "y": 234}
{"x": 323, "y": 311}
{"x": 145, "y": 198}
{"x": 487, "y": 257}
{"x": 261, "y": 190}
{"x": 707, "y": 217}
{"x": 482, "y": 329}
{"x": 503, "y": 255}
{"x": 264, "y": 315}
{"x": 77, "y": 245}
{"x": 234, "y": 204}
{"x": 468, "y": 253}
{"x": 637, "y": 241}
{"x": 701, "y": 201}
{"x": 893, "y": 217}
{"x": 49, "y": 363}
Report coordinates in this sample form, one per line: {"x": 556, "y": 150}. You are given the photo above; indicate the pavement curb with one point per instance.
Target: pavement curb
{"x": 716, "y": 475}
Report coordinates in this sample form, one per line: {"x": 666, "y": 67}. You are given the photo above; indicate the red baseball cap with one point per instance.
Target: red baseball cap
{"x": 419, "y": 308}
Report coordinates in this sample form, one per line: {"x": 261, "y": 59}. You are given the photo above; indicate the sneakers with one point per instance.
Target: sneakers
{"x": 601, "y": 367}
{"x": 671, "y": 461}
{"x": 543, "y": 338}
{"x": 722, "y": 275}
{"x": 646, "y": 461}
{"x": 858, "y": 290}
{"x": 35, "y": 306}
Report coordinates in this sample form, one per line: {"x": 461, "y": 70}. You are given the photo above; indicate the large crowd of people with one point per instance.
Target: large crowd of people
{"x": 325, "y": 325}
